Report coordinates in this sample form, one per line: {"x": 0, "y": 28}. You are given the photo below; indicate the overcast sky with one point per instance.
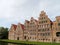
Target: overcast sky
{"x": 14, "y": 11}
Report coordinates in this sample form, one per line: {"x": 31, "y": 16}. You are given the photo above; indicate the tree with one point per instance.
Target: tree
{"x": 3, "y": 33}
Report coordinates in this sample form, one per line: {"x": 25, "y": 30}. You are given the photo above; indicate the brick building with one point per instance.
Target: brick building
{"x": 16, "y": 32}
{"x": 42, "y": 30}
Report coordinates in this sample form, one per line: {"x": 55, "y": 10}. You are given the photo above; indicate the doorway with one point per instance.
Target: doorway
{"x": 17, "y": 38}
{"x": 24, "y": 37}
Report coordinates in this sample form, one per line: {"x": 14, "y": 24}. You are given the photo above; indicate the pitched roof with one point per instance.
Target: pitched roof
{"x": 15, "y": 26}
{"x": 27, "y": 21}
{"x": 36, "y": 20}
{"x": 22, "y": 26}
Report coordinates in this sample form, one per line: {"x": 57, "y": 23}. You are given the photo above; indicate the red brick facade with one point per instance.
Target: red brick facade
{"x": 42, "y": 30}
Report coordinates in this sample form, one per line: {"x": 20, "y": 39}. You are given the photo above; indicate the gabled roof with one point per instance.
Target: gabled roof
{"x": 27, "y": 21}
{"x": 15, "y": 26}
{"x": 36, "y": 20}
{"x": 22, "y": 26}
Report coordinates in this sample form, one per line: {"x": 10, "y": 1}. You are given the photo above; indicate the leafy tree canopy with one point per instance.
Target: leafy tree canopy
{"x": 3, "y": 33}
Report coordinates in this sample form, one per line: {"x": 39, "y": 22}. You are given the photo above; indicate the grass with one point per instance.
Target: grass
{"x": 29, "y": 42}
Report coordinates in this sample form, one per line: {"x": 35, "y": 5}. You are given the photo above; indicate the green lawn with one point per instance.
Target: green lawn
{"x": 28, "y": 42}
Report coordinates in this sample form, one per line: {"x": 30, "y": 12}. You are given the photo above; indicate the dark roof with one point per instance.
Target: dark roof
{"x": 22, "y": 26}
{"x": 15, "y": 26}
{"x": 27, "y": 21}
{"x": 36, "y": 20}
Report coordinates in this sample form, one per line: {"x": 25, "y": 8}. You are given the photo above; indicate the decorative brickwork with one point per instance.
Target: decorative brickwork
{"x": 42, "y": 30}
